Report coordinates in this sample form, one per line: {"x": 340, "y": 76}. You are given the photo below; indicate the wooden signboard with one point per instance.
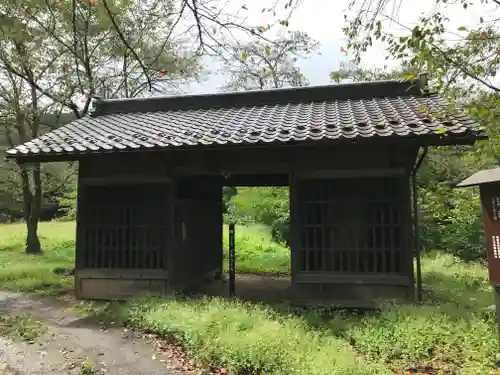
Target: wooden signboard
{"x": 488, "y": 182}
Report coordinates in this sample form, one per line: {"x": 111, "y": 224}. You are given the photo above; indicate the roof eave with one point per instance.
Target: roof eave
{"x": 429, "y": 140}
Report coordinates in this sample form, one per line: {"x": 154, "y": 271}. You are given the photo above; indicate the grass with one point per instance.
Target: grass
{"x": 256, "y": 252}
{"x": 28, "y": 273}
{"x": 22, "y": 327}
{"x": 454, "y": 330}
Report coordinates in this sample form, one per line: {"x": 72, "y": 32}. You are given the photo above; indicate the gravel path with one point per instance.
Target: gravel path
{"x": 70, "y": 340}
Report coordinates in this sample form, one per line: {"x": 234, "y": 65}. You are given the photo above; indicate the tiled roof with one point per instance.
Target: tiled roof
{"x": 372, "y": 109}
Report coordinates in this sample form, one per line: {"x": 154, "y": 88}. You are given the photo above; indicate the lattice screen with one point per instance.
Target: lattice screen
{"x": 125, "y": 226}
{"x": 350, "y": 225}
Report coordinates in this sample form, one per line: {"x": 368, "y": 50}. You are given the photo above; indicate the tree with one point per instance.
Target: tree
{"x": 54, "y": 56}
{"x": 215, "y": 29}
{"x": 263, "y": 65}
{"x": 353, "y": 72}
{"x": 463, "y": 59}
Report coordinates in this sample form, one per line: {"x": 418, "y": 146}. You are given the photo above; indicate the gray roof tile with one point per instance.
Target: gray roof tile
{"x": 380, "y": 109}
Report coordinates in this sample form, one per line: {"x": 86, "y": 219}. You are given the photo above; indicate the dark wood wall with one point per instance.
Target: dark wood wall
{"x": 198, "y": 228}
{"x": 352, "y": 238}
{"x": 276, "y": 160}
{"x": 124, "y": 227}
{"x": 140, "y": 194}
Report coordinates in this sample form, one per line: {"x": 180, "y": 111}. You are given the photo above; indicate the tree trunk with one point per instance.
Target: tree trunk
{"x": 32, "y": 206}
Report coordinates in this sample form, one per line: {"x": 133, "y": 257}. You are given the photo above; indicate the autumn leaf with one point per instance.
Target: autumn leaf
{"x": 441, "y": 131}
{"x": 244, "y": 56}
{"x": 162, "y": 74}
{"x": 244, "y": 7}
{"x": 462, "y": 28}
{"x": 268, "y": 51}
{"x": 343, "y": 50}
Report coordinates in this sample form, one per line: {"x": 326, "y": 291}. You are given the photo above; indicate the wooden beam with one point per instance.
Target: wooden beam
{"x": 109, "y": 273}
{"x": 354, "y": 173}
{"x": 124, "y": 180}
{"x": 364, "y": 279}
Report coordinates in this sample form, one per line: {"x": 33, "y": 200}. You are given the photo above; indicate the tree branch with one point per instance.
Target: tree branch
{"x": 124, "y": 41}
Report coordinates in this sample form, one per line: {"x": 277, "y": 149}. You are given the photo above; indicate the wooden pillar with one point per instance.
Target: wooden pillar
{"x": 80, "y": 241}
{"x": 407, "y": 235}
{"x": 294, "y": 226}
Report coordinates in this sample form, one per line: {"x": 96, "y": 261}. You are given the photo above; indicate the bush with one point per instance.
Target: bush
{"x": 67, "y": 203}
{"x": 452, "y": 221}
{"x": 264, "y": 205}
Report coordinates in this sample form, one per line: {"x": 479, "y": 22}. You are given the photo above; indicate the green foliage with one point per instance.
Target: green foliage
{"x": 58, "y": 178}
{"x": 67, "y": 203}
{"x": 247, "y": 338}
{"x": 228, "y": 192}
{"x": 264, "y": 205}
{"x": 455, "y": 225}
{"x": 455, "y": 59}
{"x": 257, "y": 252}
{"x": 87, "y": 368}
{"x": 406, "y": 334}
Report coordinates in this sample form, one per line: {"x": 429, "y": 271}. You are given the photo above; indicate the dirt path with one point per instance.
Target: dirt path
{"x": 70, "y": 340}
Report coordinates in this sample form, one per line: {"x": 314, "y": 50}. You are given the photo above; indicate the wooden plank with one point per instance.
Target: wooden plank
{"x": 104, "y": 273}
{"x": 119, "y": 289}
{"x": 358, "y": 278}
{"x": 121, "y": 180}
{"x": 354, "y": 173}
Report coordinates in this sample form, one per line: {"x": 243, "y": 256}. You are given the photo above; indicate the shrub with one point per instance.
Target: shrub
{"x": 452, "y": 221}
{"x": 264, "y": 205}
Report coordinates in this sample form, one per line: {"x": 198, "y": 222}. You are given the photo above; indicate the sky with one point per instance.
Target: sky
{"x": 323, "y": 20}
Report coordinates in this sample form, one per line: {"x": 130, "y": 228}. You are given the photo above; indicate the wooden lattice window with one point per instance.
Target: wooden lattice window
{"x": 125, "y": 226}
{"x": 350, "y": 225}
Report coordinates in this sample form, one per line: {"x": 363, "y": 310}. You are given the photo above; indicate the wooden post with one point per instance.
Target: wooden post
{"x": 232, "y": 259}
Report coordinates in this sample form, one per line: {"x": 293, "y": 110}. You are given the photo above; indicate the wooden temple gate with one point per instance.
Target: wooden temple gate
{"x": 151, "y": 173}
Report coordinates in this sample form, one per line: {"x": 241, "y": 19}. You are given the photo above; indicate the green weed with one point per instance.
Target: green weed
{"x": 22, "y": 327}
